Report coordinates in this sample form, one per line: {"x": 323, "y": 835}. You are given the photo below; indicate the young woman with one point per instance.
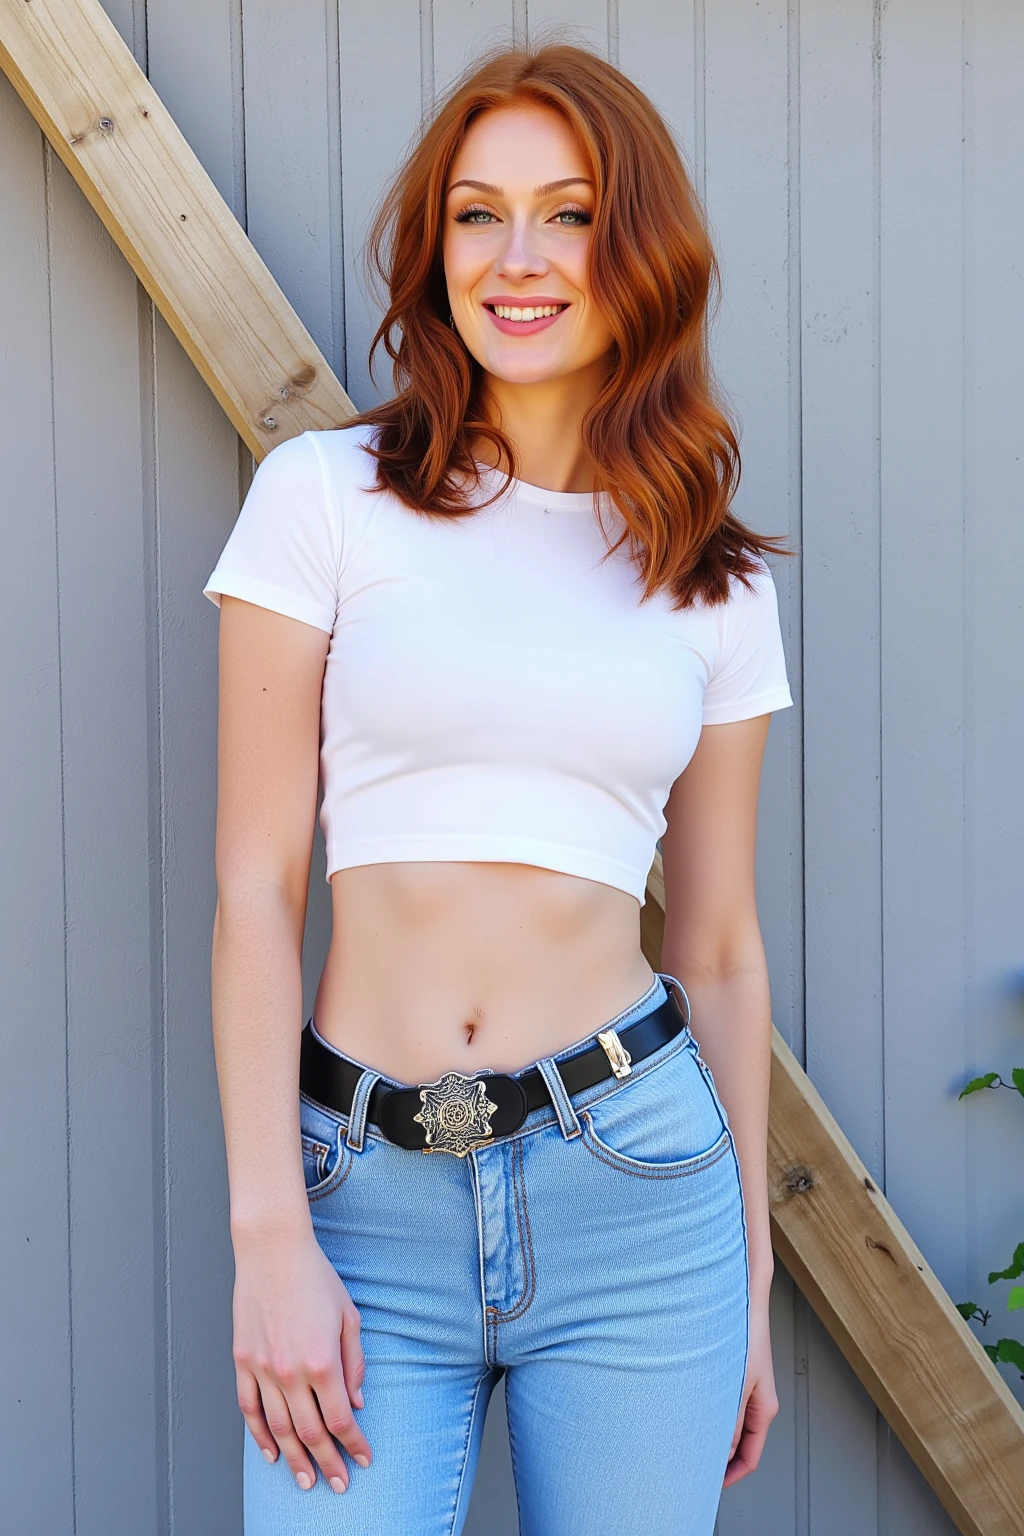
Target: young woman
{"x": 512, "y": 620}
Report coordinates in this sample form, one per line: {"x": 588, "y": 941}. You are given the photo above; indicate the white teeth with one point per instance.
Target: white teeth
{"x": 526, "y": 313}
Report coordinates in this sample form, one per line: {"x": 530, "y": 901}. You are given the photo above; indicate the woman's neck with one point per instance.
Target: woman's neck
{"x": 543, "y": 421}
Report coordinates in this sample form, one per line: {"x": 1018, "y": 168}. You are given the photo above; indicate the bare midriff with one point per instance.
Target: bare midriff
{"x": 458, "y": 967}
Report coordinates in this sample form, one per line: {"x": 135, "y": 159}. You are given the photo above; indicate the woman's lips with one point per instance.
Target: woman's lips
{"x": 525, "y": 327}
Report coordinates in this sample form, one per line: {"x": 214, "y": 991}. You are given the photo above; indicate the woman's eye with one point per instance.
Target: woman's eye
{"x": 573, "y": 216}
{"x": 474, "y": 216}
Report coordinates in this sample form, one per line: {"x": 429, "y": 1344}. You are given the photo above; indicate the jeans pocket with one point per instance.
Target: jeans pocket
{"x": 664, "y": 1125}
{"x": 326, "y": 1156}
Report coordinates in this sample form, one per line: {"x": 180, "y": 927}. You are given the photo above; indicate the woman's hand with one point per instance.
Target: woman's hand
{"x": 760, "y": 1403}
{"x": 298, "y": 1360}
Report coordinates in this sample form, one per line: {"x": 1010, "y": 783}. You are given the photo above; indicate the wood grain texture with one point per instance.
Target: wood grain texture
{"x": 104, "y": 119}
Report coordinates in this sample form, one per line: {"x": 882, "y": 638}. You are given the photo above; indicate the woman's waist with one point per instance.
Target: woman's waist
{"x": 461, "y": 967}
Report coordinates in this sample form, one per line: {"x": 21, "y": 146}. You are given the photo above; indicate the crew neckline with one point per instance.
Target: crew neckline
{"x": 563, "y": 501}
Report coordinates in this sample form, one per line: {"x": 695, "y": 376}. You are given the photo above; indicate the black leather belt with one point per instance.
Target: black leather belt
{"x": 457, "y": 1113}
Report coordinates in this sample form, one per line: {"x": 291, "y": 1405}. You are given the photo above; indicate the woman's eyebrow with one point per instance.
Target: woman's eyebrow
{"x": 548, "y": 187}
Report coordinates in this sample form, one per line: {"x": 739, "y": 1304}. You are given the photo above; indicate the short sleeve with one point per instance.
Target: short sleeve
{"x": 749, "y": 673}
{"x": 283, "y": 552}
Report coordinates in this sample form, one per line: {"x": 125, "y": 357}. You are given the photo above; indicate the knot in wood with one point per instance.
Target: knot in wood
{"x": 800, "y": 1180}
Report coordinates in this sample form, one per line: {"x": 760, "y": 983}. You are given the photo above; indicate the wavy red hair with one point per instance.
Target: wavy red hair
{"x": 664, "y": 447}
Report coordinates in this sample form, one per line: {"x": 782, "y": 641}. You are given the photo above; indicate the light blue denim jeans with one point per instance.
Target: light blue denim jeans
{"x": 597, "y": 1259}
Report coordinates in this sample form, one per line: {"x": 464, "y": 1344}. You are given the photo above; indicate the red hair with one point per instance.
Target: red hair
{"x": 664, "y": 447}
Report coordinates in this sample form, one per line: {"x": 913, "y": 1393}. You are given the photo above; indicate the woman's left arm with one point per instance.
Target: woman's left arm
{"x": 713, "y": 946}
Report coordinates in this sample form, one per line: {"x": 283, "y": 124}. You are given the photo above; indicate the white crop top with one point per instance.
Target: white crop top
{"x": 493, "y": 691}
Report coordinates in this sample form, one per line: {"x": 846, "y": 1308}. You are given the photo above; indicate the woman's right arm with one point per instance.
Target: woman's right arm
{"x": 298, "y": 1358}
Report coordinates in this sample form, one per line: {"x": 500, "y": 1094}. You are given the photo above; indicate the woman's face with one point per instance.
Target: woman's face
{"x": 517, "y": 227}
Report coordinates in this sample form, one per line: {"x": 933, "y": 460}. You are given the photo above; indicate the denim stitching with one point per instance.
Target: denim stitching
{"x": 565, "y": 1110}
{"x": 470, "y": 1421}
{"x": 709, "y": 1083}
{"x": 618, "y": 1160}
{"x": 335, "y": 1179}
{"x": 525, "y": 1247}
{"x": 356, "y": 1133}
{"x": 479, "y": 1209}
{"x": 319, "y": 1150}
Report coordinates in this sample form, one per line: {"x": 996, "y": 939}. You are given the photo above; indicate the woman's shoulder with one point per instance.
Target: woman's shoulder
{"x": 344, "y": 456}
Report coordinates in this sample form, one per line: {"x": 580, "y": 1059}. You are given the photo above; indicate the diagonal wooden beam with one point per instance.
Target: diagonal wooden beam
{"x": 831, "y": 1226}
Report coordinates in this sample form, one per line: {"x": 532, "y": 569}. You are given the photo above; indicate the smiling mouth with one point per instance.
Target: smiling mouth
{"x": 524, "y": 314}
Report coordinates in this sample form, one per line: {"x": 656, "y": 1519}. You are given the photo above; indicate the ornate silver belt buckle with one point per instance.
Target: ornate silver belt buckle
{"x": 456, "y": 1114}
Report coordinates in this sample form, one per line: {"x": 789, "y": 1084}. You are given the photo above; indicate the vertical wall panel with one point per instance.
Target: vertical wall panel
{"x": 839, "y": 319}
{"x": 105, "y": 690}
{"x": 923, "y": 618}
{"x": 197, "y": 503}
{"x": 195, "y": 62}
{"x": 842, "y": 748}
{"x": 382, "y": 100}
{"x": 577, "y": 21}
{"x": 35, "y": 1351}
{"x": 994, "y": 284}
{"x": 922, "y": 597}
{"x": 290, "y": 68}
{"x": 461, "y": 30}
{"x": 657, "y": 47}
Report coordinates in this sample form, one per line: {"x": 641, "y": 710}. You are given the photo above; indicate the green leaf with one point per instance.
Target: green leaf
{"x": 1018, "y": 1079}
{"x": 1011, "y": 1352}
{"x": 1015, "y": 1300}
{"x": 1014, "y": 1269}
{"x": 978, "y": 1082}
{"x": 992, "y": 1351}
{"x": 968, "y": 1309}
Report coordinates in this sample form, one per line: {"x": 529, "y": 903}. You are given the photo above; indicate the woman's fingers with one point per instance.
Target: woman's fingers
{"x": 305, "y": 1425}
{"x": 279, "y": 1418}
{"x": 749, "y": 1443}
{"x": 336, "y": 1409}
{"x": 251, "y": 1404}
{"x": 352, "y": 1362}
{"x": 316, "y": 1438}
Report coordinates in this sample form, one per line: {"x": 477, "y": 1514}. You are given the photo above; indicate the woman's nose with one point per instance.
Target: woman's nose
{"x": 521, "y": 255}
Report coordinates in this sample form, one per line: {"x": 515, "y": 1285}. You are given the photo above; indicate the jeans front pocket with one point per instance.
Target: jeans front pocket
{"x": 663, "y": 1125}
{"x": 326, "y": 1156}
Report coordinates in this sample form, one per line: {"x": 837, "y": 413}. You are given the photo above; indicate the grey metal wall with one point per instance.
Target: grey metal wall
{"x": 861, "y": 164}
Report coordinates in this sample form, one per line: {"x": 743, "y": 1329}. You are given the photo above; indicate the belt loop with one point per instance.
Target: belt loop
{"x": 570, "y": 1125}
{"x": 360, "y": 1104}
{"x": 676, "y": 982}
